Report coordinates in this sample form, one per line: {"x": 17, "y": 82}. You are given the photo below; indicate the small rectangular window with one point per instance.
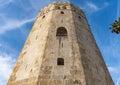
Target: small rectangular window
{"x": 60, "y": 61}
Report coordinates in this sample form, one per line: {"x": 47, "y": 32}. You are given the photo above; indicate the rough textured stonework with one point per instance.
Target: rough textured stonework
{"x": 60, "y": 50}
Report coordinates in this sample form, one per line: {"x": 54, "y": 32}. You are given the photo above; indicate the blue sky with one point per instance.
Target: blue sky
{"x": 17, "y": 18}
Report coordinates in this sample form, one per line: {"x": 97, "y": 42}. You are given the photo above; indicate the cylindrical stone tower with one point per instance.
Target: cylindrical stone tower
{"x": 60, "y": 50}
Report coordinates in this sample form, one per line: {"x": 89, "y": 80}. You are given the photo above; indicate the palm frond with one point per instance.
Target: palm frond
{"x": 116, "y": 26}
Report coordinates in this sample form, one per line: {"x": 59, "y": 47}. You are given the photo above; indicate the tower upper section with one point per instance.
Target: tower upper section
{"x": 61, "y": 6}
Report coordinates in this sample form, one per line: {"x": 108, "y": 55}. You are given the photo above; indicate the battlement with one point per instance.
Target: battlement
{"x": 60, "y": 6}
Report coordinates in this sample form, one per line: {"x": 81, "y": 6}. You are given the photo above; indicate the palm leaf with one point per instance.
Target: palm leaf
{"x": 116, "y": 26}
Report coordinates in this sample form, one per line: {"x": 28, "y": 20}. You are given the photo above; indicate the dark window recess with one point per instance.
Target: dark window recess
{"x": 62, "y": 12}
{"x": 60, "y": 61}
{"x": 61, "y": 31}
{"x": 58, "y": 7}
{"x": 79, "y": 17}
{"x": 62, "y": 44}
{"x": 43, "y": 17}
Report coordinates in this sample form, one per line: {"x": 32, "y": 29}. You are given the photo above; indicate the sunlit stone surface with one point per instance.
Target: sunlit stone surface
{"x": 60, "y": 50}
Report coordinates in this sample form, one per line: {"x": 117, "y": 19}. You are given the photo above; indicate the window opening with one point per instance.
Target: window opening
{"x": 62, "y": 12}
{"x": 58, "y": 7}
{"x": 43, "y": 17}
{"x": 60, "y": 61}
{"x": 62, "y": 44}
{"x": 79, "y": 17}
{"x": 61, "y": 31}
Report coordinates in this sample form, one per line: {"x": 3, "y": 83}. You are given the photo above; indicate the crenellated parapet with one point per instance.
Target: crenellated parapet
{"x": 61, "y": 6}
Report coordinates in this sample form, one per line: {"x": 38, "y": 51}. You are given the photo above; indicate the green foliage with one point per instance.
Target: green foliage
{"x": 116, "y": 26}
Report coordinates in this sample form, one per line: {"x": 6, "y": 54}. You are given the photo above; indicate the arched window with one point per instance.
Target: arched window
{"x": 58, "y": 7}
{"x": 61, "y": 31}
{"x": 62, "y": 12}
{"x": 60, "y": 61}
{"x": 79, "y": 17}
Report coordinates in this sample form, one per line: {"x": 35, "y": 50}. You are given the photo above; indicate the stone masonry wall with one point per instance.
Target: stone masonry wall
{"x": 82, "y": 61}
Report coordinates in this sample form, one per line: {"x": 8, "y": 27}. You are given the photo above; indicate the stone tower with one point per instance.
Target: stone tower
{"x": 60, "y": 50}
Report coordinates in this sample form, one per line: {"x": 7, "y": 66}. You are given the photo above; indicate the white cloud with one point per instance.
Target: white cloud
{"x": 13, "y": 24}
{"x": 5, "y": 2}
{"x": 36, "y": 4}
{"x": 6, "y": 66}
{"x": 9, "y": 23}
{"x": 92, "y": 6}
{"x": 112, "y": 48}
{"x": 0, "y": 45}
{"x": 118, "y": 9}
{"x": 6, "y": 48}
{"x": 118, "y": 82}
{"x": 113, "y": 69}
{"x": 106, "y": 4}
{"x": 111, "y": 51}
